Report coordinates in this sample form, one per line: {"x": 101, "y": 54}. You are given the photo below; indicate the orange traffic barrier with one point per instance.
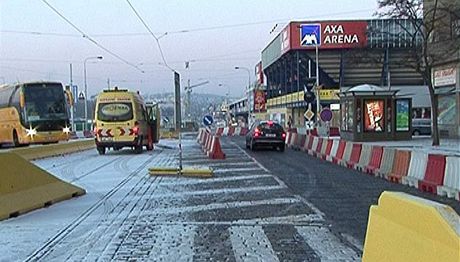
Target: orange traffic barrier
{"x": 328, "y": 149}
{"x": 308, "y": 143}
{"x": 317, "y": 151}
{"x": 340, "y": 150}
{"x": 215, "y": 150}
{"x": 400, "y": 166}
{"x": 219, "y": 131}
{"x": 376, "y": 158}
{"x": 292, "y": 140}
{"x": 231, "y": 130}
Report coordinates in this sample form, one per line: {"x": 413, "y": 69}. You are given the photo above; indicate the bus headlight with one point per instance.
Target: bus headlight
{"x": 66, "y": 130}
{"x": 31, "y": 132}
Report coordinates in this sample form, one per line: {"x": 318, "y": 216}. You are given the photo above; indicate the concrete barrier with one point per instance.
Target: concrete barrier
{"x": 400, "y": 166}
{"x": 25, "y": 187}
{"x": 417, "y": 168}
{"x": 387, "y": 162}
{"x": 333, "y": 152}
{"x": 314, "y": 145}
{"x": 434, "y": 174}
{"x": 376, "y": 159}
{"x": 407, "y": 228}
{"x": 451, "y": 184}
{"x": 44, "y": 151}
{"x": 355, "y": 154}
{"x": 364, "y": 158}
{"x": 340, "y": 152}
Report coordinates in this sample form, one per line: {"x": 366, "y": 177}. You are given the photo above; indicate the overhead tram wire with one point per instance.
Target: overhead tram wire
{"x": 151, "y": 33}
{"x": 182, "y": 31}
{"x": 91, "y": 39}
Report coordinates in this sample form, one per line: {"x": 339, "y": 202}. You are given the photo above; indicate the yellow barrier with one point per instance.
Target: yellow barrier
{"x": 169, "y": 134}
{"x": 187, "y": 172}
{"x": 407, "y": 228}
{"x": 43, "y": 151}
{"x": 25, "y": 187}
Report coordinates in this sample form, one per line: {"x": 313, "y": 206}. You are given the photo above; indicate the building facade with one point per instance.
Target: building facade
{"x": 444, "y": 47}
{"x": 348, "y": 53}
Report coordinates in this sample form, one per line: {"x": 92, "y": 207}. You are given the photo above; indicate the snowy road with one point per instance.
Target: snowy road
{"x": 244, "y": 213}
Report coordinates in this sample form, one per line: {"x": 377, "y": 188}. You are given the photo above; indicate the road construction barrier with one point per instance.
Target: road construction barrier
{"x": 417, "y": 168}
{"x": 237, "y": 131}
{"x": 303, "y": 140}
{"x": 326, "y": 153}
{"x": 400, "y": 168}
{"x": 434, "y": 174}
{"x": 225, "y": 132}
{"x": 451, "y": 184}
{"x": 244, "y": 131}
{"x": 215, "y": 150}
{"x": 231, "y": 130}
{"x": 333, "y": 152}
{"x": 219, "y": 131}
{"x": 288, "y": 138}
{"x": 308, "y": 143}
{"x": 340, "y": 152}
{"x": 346, "y": 153}
{"x": 207, "y": 142}
{"x": 44, "y": 151}
{"x": 407, "y": 228}
{"x": 322, "y": 151}
{"x": 318, "y": 147}
{"x": 364, "y": 158}
{"x": 314, "y": 145}
{"x": 386, "y": 164}
{"x": 25, "y": 187}
{"x": 200, "y": 135}
{"x": 355, "y": 154}
{"x": 374, "y": 162}
{"x": 297, "y": 141}
{"x": 292, "y": 140}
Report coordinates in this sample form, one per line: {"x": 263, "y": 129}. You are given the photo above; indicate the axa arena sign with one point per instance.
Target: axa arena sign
{"x": 335, "y": 34}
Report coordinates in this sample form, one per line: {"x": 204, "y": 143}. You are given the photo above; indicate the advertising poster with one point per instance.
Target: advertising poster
{"x": 259, "y": 101}
{"x": 374, "y": 115}
{"x": 402, "y": 115}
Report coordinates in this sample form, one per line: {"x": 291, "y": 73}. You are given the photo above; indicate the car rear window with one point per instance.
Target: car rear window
{"x": 114, "y": 112}
{"x": 273, "y": 126}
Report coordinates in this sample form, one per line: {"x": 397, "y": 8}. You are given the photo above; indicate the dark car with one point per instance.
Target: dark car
{"x": 421, "y": 126}
{"x": 267, "y": 134}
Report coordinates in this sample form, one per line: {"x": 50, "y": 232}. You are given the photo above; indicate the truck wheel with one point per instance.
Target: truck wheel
{"x": 101, "y": 150}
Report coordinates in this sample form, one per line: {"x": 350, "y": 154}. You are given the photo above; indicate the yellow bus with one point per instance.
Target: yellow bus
{"x": 33, "y": 113}
{"x": 122, "y": 120}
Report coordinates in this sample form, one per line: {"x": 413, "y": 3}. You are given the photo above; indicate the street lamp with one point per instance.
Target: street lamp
{"x": 86, "y": 88}
{"x": 248, "y": 91}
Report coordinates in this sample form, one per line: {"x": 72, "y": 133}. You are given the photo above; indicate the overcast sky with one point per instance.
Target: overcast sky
{"x": 37, "y": 44}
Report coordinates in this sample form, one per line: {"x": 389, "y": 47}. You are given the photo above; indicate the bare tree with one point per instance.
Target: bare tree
{"x": 432, "y": 41}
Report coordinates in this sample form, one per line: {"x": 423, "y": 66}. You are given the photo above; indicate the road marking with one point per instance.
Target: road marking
{"x": 215, "y": 180}
{"x": 251, "y": 244}
{"x": 226, "y": 205}
{"x": 326, "y": 244}
{"x": 250, "y": 157}
{"x": 218, "y": 191}
{"x": 174, "y": 243}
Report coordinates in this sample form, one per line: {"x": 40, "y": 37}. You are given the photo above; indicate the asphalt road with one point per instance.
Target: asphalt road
{"x": 343, "y": 195}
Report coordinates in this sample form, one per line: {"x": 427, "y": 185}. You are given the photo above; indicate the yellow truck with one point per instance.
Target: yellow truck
{"x": 122, "y": 119}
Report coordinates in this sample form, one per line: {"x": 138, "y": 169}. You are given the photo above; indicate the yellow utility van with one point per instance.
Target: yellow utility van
{"x": 121, "y": 120}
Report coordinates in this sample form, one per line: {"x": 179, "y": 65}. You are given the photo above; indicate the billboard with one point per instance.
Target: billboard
{"x": 328, "y": 34}
{"x": 259, "y": 101}
{"x": 374, "y": 115}
{"x": 402, "y": 115}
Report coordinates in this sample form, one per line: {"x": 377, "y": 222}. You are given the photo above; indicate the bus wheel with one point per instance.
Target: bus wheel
{"x": 15, "y": 139}
{"x": 101, "y": 150}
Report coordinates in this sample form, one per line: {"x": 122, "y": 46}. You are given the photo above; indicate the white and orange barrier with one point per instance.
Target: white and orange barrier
{"x": 451, "y": 184}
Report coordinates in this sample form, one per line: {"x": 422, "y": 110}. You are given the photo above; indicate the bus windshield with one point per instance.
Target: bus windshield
{"x": 44, "y": 102}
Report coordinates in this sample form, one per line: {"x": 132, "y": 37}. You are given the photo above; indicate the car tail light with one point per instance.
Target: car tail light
{"x": 270, "y": 123}
{"x": 256, "y": 132}
{"x": 283, "y": 135}
{"x": 136, "y": 128}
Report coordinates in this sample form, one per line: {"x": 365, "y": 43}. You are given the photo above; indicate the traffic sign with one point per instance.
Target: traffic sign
{"x": 81, "y": 96}
{"x": 309, "y": 97}
{"x": 208, "y": 120}
{"x": 309, "y": 114}
{"x": 326, "y": 114}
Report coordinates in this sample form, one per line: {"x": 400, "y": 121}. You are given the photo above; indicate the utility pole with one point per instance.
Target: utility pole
{"x": 72, "y": 106}
{"x": 317, "y": 88}
{"x": 108, "y": 83}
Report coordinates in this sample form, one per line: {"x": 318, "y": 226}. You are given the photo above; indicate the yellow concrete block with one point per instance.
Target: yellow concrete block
{"x": 407, "y": 228}
{"x": 25, "y": 187}
{"x": 186, "y": 172}
{"x": 43, "y": 151}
